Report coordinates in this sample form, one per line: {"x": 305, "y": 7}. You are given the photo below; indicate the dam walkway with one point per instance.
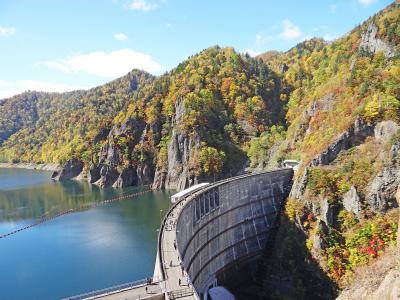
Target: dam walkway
{"x": 176, "y": 281}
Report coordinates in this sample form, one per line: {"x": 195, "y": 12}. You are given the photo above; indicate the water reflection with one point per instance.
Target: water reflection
{"x": 19, "y": 201}
{"x": 75, "y": 253}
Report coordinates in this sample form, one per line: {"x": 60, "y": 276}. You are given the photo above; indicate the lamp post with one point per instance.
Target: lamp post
{"x": 160, "y": 214}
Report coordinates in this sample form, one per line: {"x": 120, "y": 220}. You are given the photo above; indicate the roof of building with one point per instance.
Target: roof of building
{"x": 189, "y": 190}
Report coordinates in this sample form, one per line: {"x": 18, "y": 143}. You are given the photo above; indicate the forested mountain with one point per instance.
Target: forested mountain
{"x": 332, "y": 106}
{"x": 192, "y": 123}
{"x": 52, "y": 127}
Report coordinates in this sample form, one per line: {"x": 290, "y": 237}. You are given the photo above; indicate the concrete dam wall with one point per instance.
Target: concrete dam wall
{"x": 224, "y": 227}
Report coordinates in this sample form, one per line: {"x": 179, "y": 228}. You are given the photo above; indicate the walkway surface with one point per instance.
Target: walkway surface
{"x": 174, "y": 273}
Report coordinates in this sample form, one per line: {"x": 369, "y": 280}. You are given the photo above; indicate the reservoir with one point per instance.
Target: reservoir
{"x": 78, "y": 252}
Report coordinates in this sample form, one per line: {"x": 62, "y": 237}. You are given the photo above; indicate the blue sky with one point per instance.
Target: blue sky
{"x": 64, "y": 45}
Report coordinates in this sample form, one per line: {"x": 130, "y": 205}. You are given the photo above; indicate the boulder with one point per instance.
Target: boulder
{"x": 71, "y": 169}
{"x": 385, "y": 130}
{"x": 352, "y": 203}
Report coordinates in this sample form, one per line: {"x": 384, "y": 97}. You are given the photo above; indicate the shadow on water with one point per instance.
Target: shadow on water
{"x": 287, "y": 270}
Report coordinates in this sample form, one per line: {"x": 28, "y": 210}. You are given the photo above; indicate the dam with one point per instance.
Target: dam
{"x": 211, "y": 238}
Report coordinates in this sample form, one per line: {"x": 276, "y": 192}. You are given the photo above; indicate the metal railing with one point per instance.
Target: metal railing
{"x": 180, "y": 293}
{"x": 109, "y": 290}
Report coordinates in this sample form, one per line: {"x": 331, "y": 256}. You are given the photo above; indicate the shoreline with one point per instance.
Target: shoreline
{"x": 31, "y": 166}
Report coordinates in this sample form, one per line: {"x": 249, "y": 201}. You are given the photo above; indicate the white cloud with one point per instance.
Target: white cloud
{"x": 142, "y": 5}
{"x": 120, "y": 36}
{"x": 251, "y": 52}
{"x": 262, "y": 39}
{"x": 11, "y": 88}
{"x": 6, "y": 31}
{"x": 367, "y": 2}
{"x": 111, "y": 65}
{"x": 290, "y": 31}
{"x": 333, "y": 8}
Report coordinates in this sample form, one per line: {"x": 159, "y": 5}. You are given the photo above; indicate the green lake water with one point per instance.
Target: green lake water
{"x": 78, "y": 252}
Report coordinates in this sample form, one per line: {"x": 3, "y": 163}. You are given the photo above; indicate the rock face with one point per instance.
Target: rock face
{"x": 319, "y": 243}
{"x": 370, "y": 43}
{"x": 381, "y": 191}
{"x": 299, "y": 185}
{"x": 71, "y": 169}
{"x": 105, "y": 173}
{"x": 385, "y": 287}
{"x": 380, "y": 280}
{"x": 350, "y": 138}
{"x": 127, "y": 177}
{"x": 108, "y": 175}
{"x": 176, "y": 173}
{"x": 94, "y": 173}
{"x": 385, "y": 130}
{"x": 352, "y": 203}
{"x": 326, "y": 211}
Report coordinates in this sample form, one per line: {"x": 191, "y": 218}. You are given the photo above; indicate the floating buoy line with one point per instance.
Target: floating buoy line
{"x": 44, "y": 218}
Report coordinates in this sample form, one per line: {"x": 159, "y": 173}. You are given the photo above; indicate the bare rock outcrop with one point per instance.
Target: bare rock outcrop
{"x": 127, "y": 177}
{"x": 352, "y": 137}
{"x": 352, "y": 202}
{"x": 371, "y": 43}
{"x": 70, "y": 170}
{"x": 385, "y": 130}
{"x": 108, "y": 176}
{"x": 381, "y": 191}
{"x": 176, "y": 173}
{"x": 105, "y": 173}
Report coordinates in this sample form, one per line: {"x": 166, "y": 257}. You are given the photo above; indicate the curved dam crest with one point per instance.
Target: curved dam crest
{"x": 223, "y": 228}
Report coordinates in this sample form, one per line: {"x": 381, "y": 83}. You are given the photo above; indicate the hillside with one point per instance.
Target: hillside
{"x": 52, "y": 127}
{"x": 342, "y": 124}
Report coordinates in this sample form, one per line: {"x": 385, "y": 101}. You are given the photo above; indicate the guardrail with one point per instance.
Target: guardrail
{"x": 180, "y": 293}
{"x": 109, "y": 290}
